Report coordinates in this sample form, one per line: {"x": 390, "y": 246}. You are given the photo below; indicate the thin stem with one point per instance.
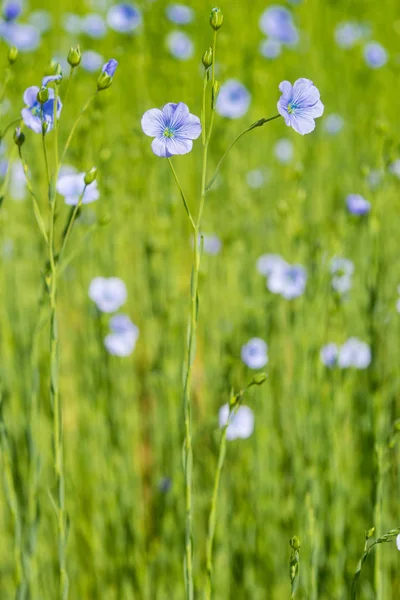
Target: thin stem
{"x": 185, "y": 204}
{"x": 75, "y": 125}
{"x": 258, "y": 123}
{"x": 5, "y": 84}
{"x": 46, "y": 159}
{"x": 36, "y": 209}
{"x": 212, "y": 520}
{"x": 7, "y": 127}
{"x": 70, "y": 225}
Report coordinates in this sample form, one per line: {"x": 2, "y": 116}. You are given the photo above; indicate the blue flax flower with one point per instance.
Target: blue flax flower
{"x": 11, "y": 10}
{"x": 254, "y": 354}
{"x": 35, "y": 113}
{"x": 91, "y": 61}
{"x": 277, "y": 23}
{"x": 108, "y": 294}
{"x": 180, "y": 14}
{"x": 123, "y": 337}
{"x": 72, "y": 186}
{"x": 375, "y": 55}
{"x": 110, "y": 67}
{"x": 124, "y": 18}
{"x": 233, "y": 100}
{"x": 300, "y": 104}
{"x": 173, "y": 129}
{"x": 357, "y": 205}
{"x": 25, "y": 37}
{"x": 241, "y": 423}
{"x": 180, "y": 45}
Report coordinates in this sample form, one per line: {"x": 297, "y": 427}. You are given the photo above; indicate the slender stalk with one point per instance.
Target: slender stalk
{"x": 70, "y": 225}
{"x": 185, "y": 204}
{"x": 75, "y": 125}
{"x": 212, "y": 520}
{"x": 36, "y": 209}
{"x": 5, "y": 84}
{"x": 7, "y": 127}
{"x": 55, "y": 399}
{"x": 258, "y": 123}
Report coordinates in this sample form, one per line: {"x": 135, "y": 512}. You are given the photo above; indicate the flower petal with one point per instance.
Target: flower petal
{"x": 30, "y": 95}
{"x": 153, "y": 123}
{"x": 190, "y": 129}
{"x": 31, "y": 121}
{"x": 305, "y": 93}
{"x": 302, "y": 123}
{"x": 287, "y": 90}
{"x": 159, "y": 147}
{"x": 175, "y": 114}
{"x": 282, "y": 109}
{"x": 178, "y": 145}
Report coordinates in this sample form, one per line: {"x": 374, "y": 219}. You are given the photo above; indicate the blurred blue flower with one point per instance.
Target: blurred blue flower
{"x": 180, "y": 45}
{"x": 123, "y": 337}
{"x": 91, "y": 61}
{"x": 211, "y": 243}
{"x": 18, "y": 187}
{"x": 179, "y": 14}
{"x": 25, "y": 37}
{"x": 255, "y": 353}
{"x": 255, "y": 179}
{"x": 36, "y": 112}
{"x": 300, "y": 104}
{"x": 354, "y": 353}
{"x": 41, "y": 20}
{"x": 333, "y": 123}
{"x": 342, "y": 270}
{"x": 72, "y": 23}
{"x": 270, "y": 48}
{"x": 394, "y": 168}
{"x": 357, "y": 205}
{"x": 287, "y": 280}
{"x": 165, "y": 485}
{"x": 11, "y": 10}
{"x": 110, "y": 67}
{"x": 348, "y": 34}
{"x": 233, "y": 100}
{"x": 241, "y": 423}
{"x": 173, "y": 129}
{"x": 109, "y": 294}
{"x": 276, "y": 22}
{"x": 71, "y": 186}
{"x": 268, "y": 263}
{"x": 375, "y": 55}
{"x": 93, "y": 25}
{"x": 284, "y": 151}
{"x": 124, "y": 18}
{"x": 329, "y": 355}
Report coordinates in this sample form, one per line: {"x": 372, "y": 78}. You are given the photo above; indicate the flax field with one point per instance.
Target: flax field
{"x": 108, "y": 460}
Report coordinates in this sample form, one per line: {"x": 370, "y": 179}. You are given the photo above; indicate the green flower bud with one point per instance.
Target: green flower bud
{"x": 104, "y": 81}
{"x": 43, "y": 95}
{"x": 12, "y": 55}
{"x": 215, "y": 92}
{"x": 90, "y": 176}
{"x": 259, "y": 378}
{"x": 18, "y": 137}
{"x": 45, "y": 127}
{"x": 295, "y": 542}
{"x": 74, "y": 56}
{"x": 216, "y": 18}
{"x": 207, "y": 58}
{"x": 370, "y": 533}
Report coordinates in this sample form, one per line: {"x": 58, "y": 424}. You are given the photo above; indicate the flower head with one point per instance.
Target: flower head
{"x": 108, "y": 294}
{"x": 270, "y": 48}
{"x": 342, "y": 270}
{"x": 300, "y": 104}
{"x": 277, "y": 23}
{"x": 287, "y": 280}
{"x": 173, "y": 129}
{"x": 284, "y": 151}
{"x": 255, "y": 353}
{"x": 124, "y": 18}
{"x": 241, "y": 423}
{"x": 93, "y": 25}
{"x": 329, "y": 355}
{"x": 11, "y": 10}
{"x": 348, "y": 34}
{"x": 36, "y": 114}
{"x": 180, "y": 45}
{"x": 333, "y": 123}
{"x": 123, "y": 337}
{"x": 91, "y": 61}
{"x": 24, "y": 37}
{"x": 110, "y": 67}
{"x": 375, "y": 55}
{"x": 179, "y": 14}
{"x": 357, "y": 205}
{"x": 233, "y": 100}
{"x": 268, "y": 263}
{"x": 72, "y": 186}
{"x": 354, "y": 353}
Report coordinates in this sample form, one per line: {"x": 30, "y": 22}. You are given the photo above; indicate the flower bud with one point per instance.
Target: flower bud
{"x": 104, "y": 81}
{"x": 74, "y": 56}
{"x": 295, "y": 542}
{"x": 18, "y": 137}
{"x": 259, "y": 378}
{"x": 12, "y": 55}
{"x": 90, "y": 176}
{"x": 215, "y": 92}
{"x": 43, "y": 95}
{"x": 107, "y": 74}
{"x": 370, "y": 533}
{"x": 45, "y": 127}
{"x": 216, "y": 18}
{"x": 207, "y": 58}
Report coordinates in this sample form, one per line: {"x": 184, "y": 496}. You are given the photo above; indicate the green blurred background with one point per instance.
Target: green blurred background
{"x": 318, "y": 464}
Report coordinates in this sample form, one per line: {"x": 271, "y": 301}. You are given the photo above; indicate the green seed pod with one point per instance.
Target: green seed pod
{"x": 370, "y": 533}
{"x": 90, "y": 176}
{"x": 295, "y": 542}
{"x": 215, "y": 92}
{"x": 207, "y": 58}
{"x": 216, "y": 18}
{"x": 43, "y": 95}
{"x": 12, "y": 55}
{"x": 74, "y": 56}
{"x": 18, "y": 137}
{"x": 104, "y": 81}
